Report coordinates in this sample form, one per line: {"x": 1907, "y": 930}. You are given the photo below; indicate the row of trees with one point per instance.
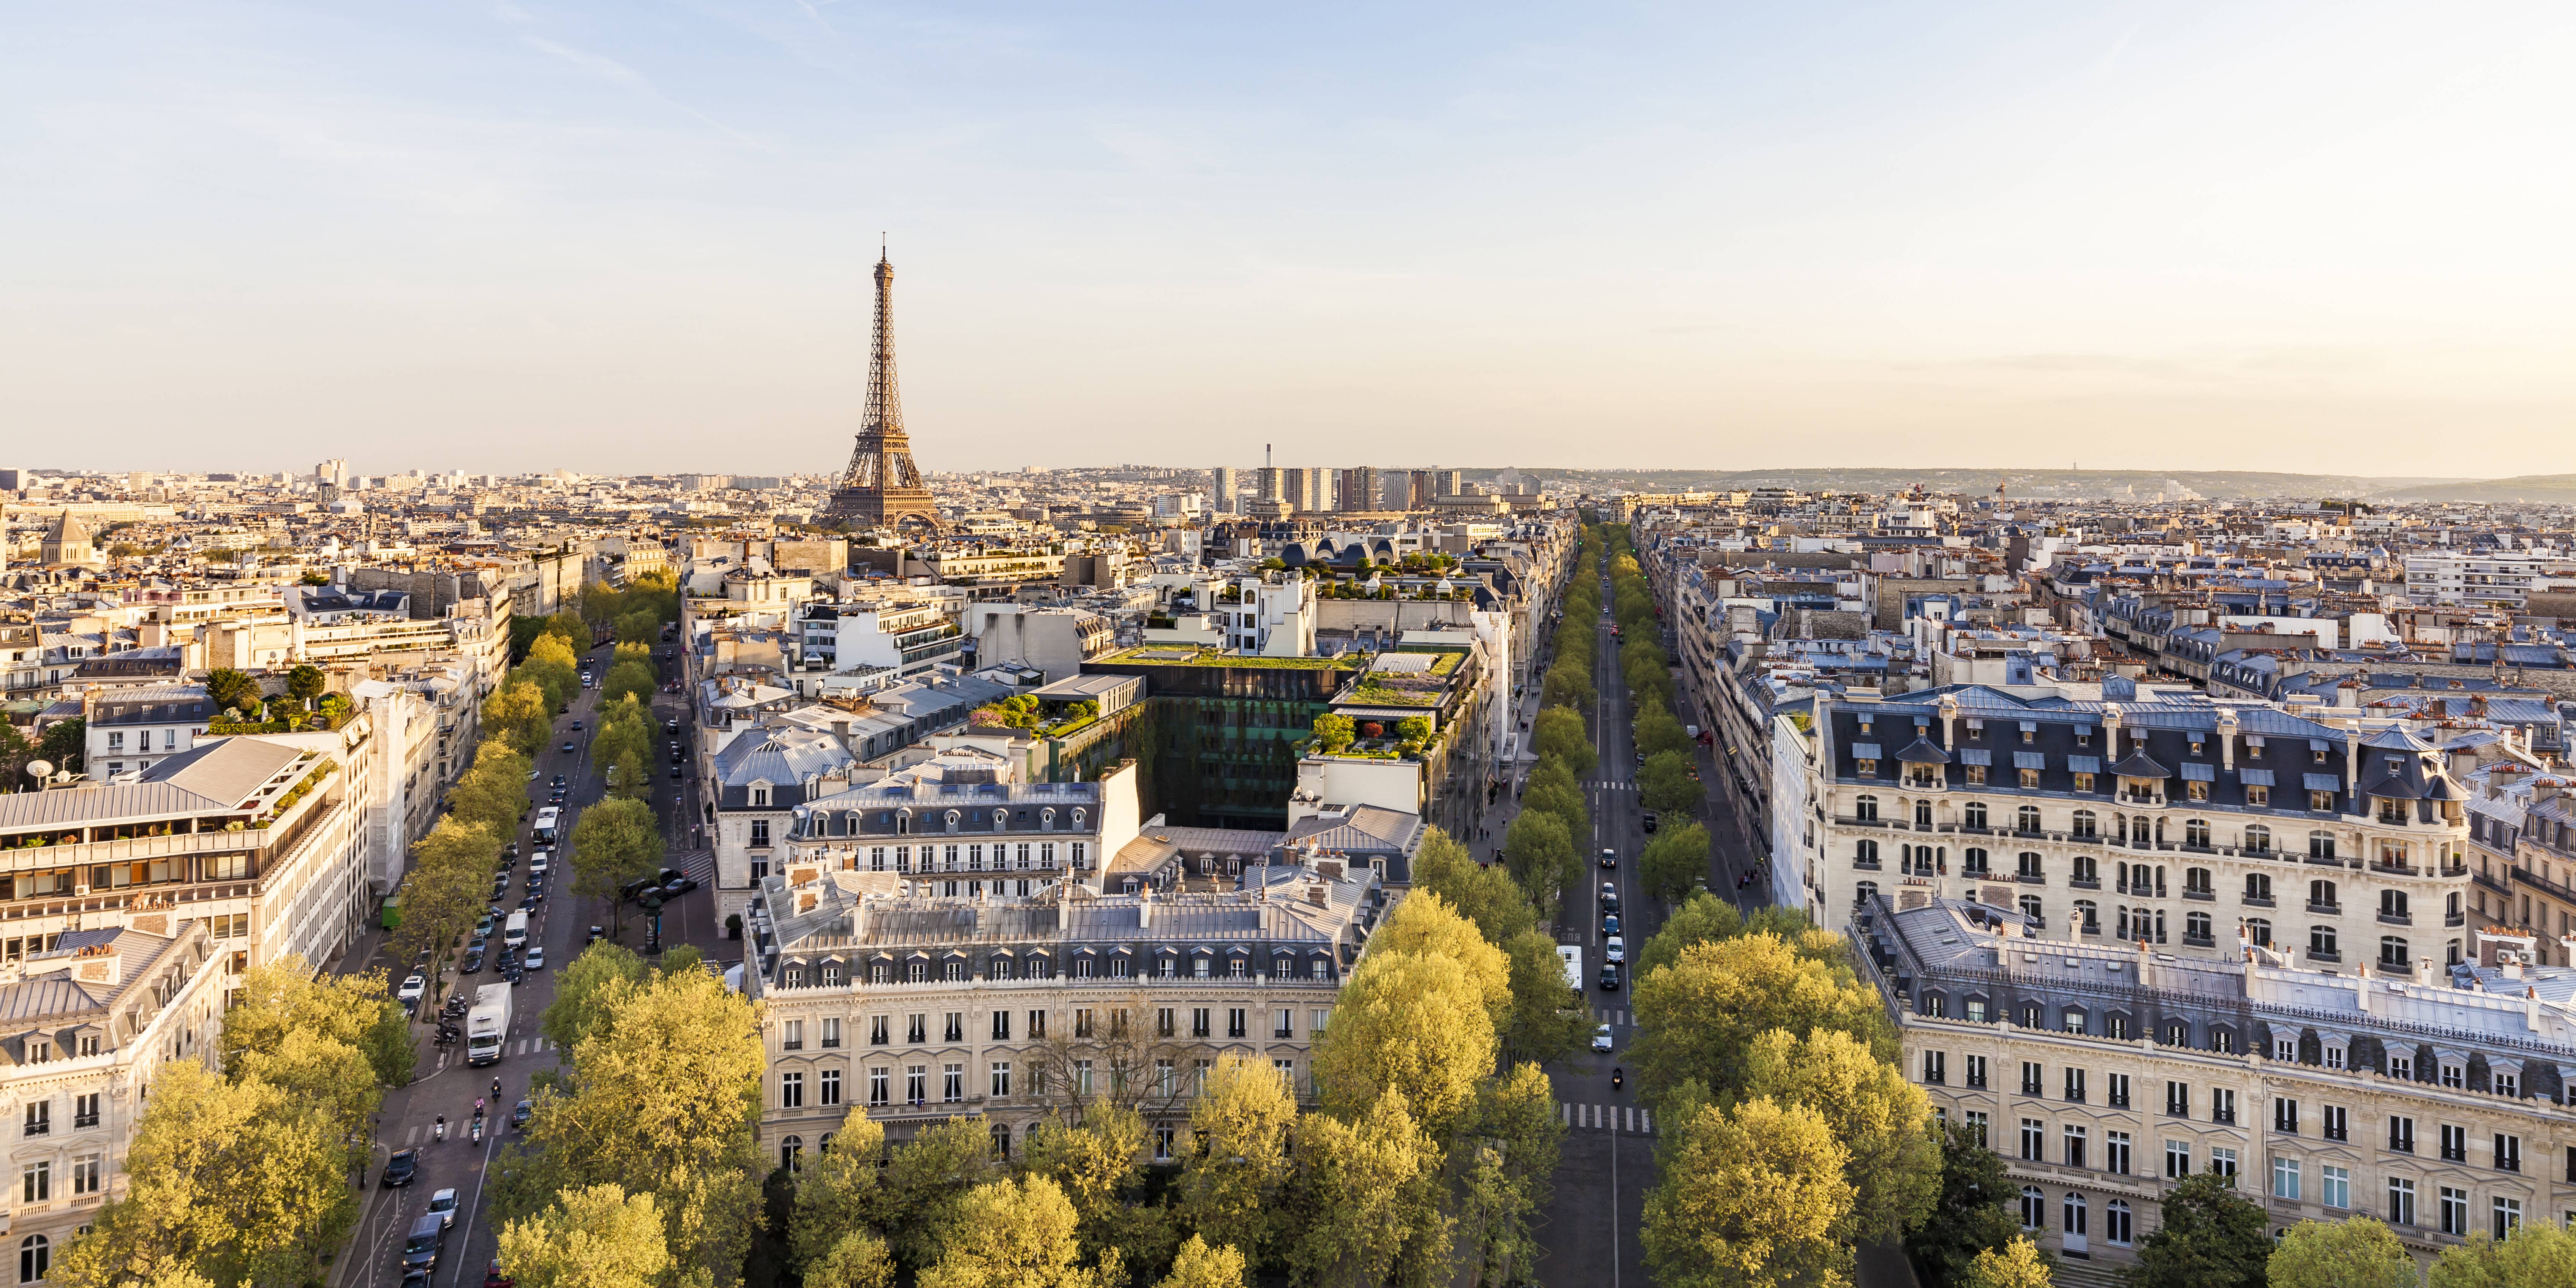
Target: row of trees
{"x": 2212, "y": 1236}
{"x": 1546, "y": 843}
{"x": 1676, "y": 861}
{"x": 242, "y": 1176}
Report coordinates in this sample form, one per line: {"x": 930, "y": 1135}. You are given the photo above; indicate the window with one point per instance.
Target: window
{"x": 2073, "y": 1140}
{"x": 2222, "y": 1105}
{"x": 1976, "y": 1071}
{"x": 2222, "y": 1161}
{"x": 2178, "y": 1099}
{"x": 1199, "y": 1026}
{"x": 85, "y": 1110}
{"x": 85, "y": 1174}
{"x": 2285, "y": 1115}
{"x": 2258, "y": 840}
{"x": 830, "y": 1087}
{"x": 2116, "y": 1225}
{"x": 2034, "y": 1208}
{"x": 877, "y": 1026}
{"x": 2115, "y": 1088}
{"x": 36, "y": 1183}
{"x": 2031, "y": 1078}
{"x": 1976, "y": 1124}
{"x": 790, "y": 1150}
{"x": 2392, "y": 951}
{"x": 2034, "y": 1139}
{"x": 916, "y": 1084}
{"x": 791, "y": 1091}
{"x": 2455, "y": 1144}
{"x": 1001, "y": 1078}
{"x": 2285, "y": 1178}
{"x": 1936, "y": 1068}
{"x": 2321, "y": 942}
{"x": 877, "y": 1089}
{"x": 954, "y": 1026}
{"x": 2074, "y": 1213}
{"x": 2508, "y": 1153}
{"x": 2455, "y": 1211}
{"x": 2075, "y": 1077}
{"x": 1037, "y": 1025}
{"x": 2401, "y": 1134}
{"x": 2334, "y": 1186}
{"x": 40, "y": 1118}
{"x": 760, "y": 826}
{"x": 792, "y": 1036}
{"x": 1974, "y": 815}
{"x": 2086, "y": 826}
{"x": 2401, "y": 1201}
{"x": 2115, "y": 1152}
{"x": 35, "y": 1259}
{"x": 952, "y": 1083}
{"x": 2177, "y": 1159}
{"x": 2026, "y": 819}
{"x": 832, "y": 1034}
{"x": 1865, "y": 808}
{"x": 2507, "y": 1218}
{"x": 2336, "y": 1120}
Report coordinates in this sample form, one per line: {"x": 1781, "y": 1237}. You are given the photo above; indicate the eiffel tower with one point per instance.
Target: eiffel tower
{"x": 882, "y": 485}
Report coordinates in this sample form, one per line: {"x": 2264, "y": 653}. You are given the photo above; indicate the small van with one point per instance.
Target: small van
{"x": 1616, "y": 950}
{"x": 427, "y": 1239}
{"x": 514, "y": 932}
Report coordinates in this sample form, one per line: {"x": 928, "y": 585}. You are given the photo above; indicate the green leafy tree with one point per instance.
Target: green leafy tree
{"x": 232, "y": 690}
{"x": 15, "y": 751}
{"x": 552, "y": 664}
{"x": 927, "y": 1183}
{"x": 1665, "y": 783}
{"x": 1366, "y": 1203}
{"x": 520, "y": 713}
{"x": 1883, "y": 1121}
{"x": 1658, "y": 732}
{"x": 306, "y": 682}
{"x": 587, "y": 990}
{"x": 1697, "y": 1018}
{"x": 1542, "y": 858}
{"x": 1017, "y": 1234}
{"x": 1512, "y": 1149}
{"x": 2537, "y": 1252}
{"x": 629, "y": 679}
{"x": 494, "y": 792}
{"x": 1335, "y": 732}
{"x": 1547, "y": 1020}
{"x": 1567, "y": 687}
{"x": 1559, "y": 732}
{"x": 839, "y": 1194}
{"x": 598, "y": 1236}
{"x": 64, "y": 743}
{"x": 2212, "y": 1237}
{"x": 616, "y": 843}
{"x": 445, "y": 892}
{"x": 1972, "y": 1214}
{"x": 1237, "y": 1169}
{"x": 1485, "y": 895}
{"x": 1752, "y": 1196}
{"x": 1551, "y": 792}
{"x": 1675, "y": 863}
{"x": 1097, "y": 1162}
{"x": 1425, "y": 924}
{"x": 1414, "y": 1023}
{"x": 1203, "y": 1265}
{"x": 2355, "y": 1253}
{"x": 2020, "y": 1264}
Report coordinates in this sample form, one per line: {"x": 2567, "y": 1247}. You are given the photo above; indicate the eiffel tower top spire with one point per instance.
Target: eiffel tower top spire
{"x": 882, "y": 485}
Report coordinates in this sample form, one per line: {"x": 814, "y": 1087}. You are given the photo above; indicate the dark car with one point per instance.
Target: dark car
{"x": 512, "y": 975}
{"x": 520, "y": 1113}
{"x": 576, "y": 726}
{"x": 671, "y": 874}
{"x": 1609, "y": 858}
{"x": 415, "y": 1279}
{"x": 1610, "y": 923}
{"x": 559, "y": 780}
{"x": 676, "y": 887}
{"x": 402, "y": 1169}
{"x": 567, "y": 748}
{"x": 1609, "y": 903}
{"x": 536, "y": 880}
{"x": 530, "y": 903}
{"x": 638, "y": 889}
{"x": 597, "y": 933}
{"x": 1647, "y": 821}
{"x": 1610, "y": 979}
{"x": 675, "y": 771}
{"x": 473, "y": 963}
{"x": 671, "y": 726}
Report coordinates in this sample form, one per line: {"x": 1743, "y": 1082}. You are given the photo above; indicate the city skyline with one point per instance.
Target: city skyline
{"x": 559, "y": 237}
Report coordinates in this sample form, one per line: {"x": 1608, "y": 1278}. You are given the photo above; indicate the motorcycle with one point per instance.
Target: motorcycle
{"x": 475, "y": 1131}
{"x": 1617, "y": 1077}
{"x": 441, "y": 1129}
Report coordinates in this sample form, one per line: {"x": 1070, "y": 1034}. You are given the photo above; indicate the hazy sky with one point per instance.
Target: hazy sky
{"x": 636, "y": 236}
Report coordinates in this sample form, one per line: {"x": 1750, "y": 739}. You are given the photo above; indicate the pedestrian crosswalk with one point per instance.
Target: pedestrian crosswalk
{"x": 1616, "y": 787}
{"x": 697, "y": 865}
{"x": 1608, "y": 1015}
{"x": 1627, "y": 1118}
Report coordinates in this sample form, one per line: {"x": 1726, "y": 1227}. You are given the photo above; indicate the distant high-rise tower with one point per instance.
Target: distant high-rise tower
{"x": 1227, "y": 487}
{"x": 882, "y": 485}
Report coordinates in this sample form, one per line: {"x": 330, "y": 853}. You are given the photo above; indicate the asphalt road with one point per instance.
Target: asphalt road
{"x": 447, "y": 1087}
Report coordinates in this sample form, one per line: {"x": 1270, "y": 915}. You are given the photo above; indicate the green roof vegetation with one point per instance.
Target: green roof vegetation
{"x": 1184, "y": 655}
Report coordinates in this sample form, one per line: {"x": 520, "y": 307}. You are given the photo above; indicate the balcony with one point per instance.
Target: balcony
{"x": 2032, "y": 878}
{"x": 2324, "y": 955}
{"x": 2396, "y": 919}
{"x": 2325, "y": 909}
{"x": 2258, "y": 901}
{"x": 2204, "y": 896}
{"x": 1865, "y": 865}
{"x": 2084, "y": 883}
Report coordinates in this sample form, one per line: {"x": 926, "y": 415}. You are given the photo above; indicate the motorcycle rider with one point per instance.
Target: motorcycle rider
{"x": 441, "y": 1128}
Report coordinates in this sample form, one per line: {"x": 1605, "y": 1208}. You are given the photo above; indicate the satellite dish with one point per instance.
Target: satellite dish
{"x": 40, "y": 769}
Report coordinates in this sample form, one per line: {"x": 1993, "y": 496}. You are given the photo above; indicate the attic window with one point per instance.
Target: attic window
{"x": 759, "y": 795}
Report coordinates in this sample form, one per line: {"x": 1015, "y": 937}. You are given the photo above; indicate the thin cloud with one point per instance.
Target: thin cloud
{"x": 617, "y": 73}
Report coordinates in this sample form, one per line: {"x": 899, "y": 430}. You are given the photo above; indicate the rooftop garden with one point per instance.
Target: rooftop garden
{"x": 1407, "y": 679}
{"x": 1339, "y": 735}
{"x": 1182, "y": 655}
{"x": 286, "y": 715}
{"x": 1041, "y": 718}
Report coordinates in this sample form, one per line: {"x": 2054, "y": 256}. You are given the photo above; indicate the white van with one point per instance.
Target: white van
{"x": 1616, "y": 950}
{"x": 514, "y": 932}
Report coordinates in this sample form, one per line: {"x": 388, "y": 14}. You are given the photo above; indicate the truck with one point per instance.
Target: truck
{"x": 1572, "y": 955}
{"x": 487, "y": 1025}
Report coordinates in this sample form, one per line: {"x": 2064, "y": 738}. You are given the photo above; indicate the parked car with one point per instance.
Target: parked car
{"x": 520, "y": 1113}
{"x": 401, "y": 1169}
{"x": 1601, "y": 1038}
{"x": 413, "y": 988}
{"x": 1647, "y": 820}
{"x": 678, "y": 886}
{"x": 675, "y": 771}
{"x": 597, "y": 933}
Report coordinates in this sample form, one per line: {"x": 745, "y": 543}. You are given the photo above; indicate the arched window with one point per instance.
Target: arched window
{"x": 2030, "y": 908}
{"x": 2392, "y": 951}
{"x": 2321, "y": 943}
{"x": 2196, "y": 883}
{"x": 35, "y": 1259}
{"x": 2195, "y": 832}
{"x": 1974, "y": 815}
{"x": 1923, "y": 813}
{"x": 1077, "y": 819}
{"x": 1864, "y": 892}
{"x": 2029, "y": 865}
{"x": 2086, "y": 826}
{"x": 791, "y": 1151}
{"x": 1046, "y": 819}
{"x": 1865, "y": 808}
{"x": 2258, "y": 932}
{"x": 2258, "y": 888}
{"x": 2392, "y": 903}
{"x": 2089, "y": 916}
{"x": 2258, "y": 839}
{"x": 902, "y": 822}
{"x": 2074, "y": 1213}
{"x": 1973, "y": 861}
{"x": 1001, "y": 819}
{"x": 2196, "y": 927}
{"x": 2027, "y": 819}
{"x": 1002, "y": 1141}
{"x": 2321, "y": 844}
{"x": 2115, "y": 1221}
{"x": 2034, "y": 1208}
{"x": 2321, "y": 896}
{"x": 1865, "y": 854}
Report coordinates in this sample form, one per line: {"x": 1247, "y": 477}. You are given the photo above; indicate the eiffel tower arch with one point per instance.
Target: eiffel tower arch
{"x": 883, "y": 487}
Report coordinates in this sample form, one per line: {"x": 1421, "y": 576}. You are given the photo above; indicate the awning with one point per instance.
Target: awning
{"x": 2316, "y": 744}
{"x": 2030, "y": 726}
{"x": 2030, "y": 760}
{"x": 2324, "y": 783}
{"x": 1866, "y": 751}
{"x": 2255, "y": 777}
{"x": 1976, "y": 756}
{"x": 2192, "y": 773}
{"x": 2084, "y": 764}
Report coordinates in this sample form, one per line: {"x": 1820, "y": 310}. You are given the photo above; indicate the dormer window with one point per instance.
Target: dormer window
{"x": 951, "y": 820}
{"x": 1077, "y": 820}
{"x": 1001, "y": 819}
{"x": 1046, "y": 819}
{"x": 760, "y": 795}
